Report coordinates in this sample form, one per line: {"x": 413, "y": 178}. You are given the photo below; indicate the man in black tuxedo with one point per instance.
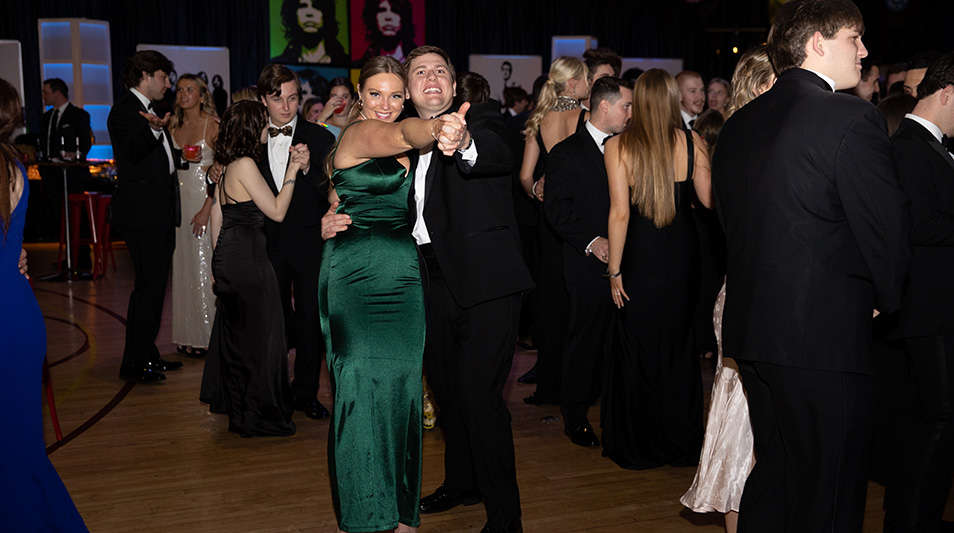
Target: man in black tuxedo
{"x": 817, "y": 232}
{"x": 473, "y": 276}
{"x": 66, "y": 127}
{"x": 924, "y": 458}
{"x": 145, "y": 206}
{"x": 577, "y": 206}
{"x": 294, "y": 245}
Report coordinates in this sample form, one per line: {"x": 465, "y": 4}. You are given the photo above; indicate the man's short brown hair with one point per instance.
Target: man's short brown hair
{"x": 796, "y": 22}
{"x": 273, "y": 76}
{"x": 428, "y": 49}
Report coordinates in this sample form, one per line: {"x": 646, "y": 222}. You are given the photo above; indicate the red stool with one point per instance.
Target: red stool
{"x": 77, "y": 202}
{"x": 103, "y": 248}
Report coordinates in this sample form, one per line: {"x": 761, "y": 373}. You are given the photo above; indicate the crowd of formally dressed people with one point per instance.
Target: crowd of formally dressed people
{"x": 597, "y": 218}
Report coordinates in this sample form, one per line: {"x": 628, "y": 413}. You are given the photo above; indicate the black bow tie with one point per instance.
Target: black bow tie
{"x": 608, "y": 137}
{"x": 945, "y": 140}
{"x": 275, "y": 132}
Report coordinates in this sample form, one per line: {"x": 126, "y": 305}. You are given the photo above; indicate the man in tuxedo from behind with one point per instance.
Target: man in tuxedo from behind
{"x": 295, "y": 245}
{"x": 577, "y": 206}
{"x": 917, "y": 490}
{"x": 818, "y": 238}
{"x": 145, "y": 206}
{"x": 473, "y": 276}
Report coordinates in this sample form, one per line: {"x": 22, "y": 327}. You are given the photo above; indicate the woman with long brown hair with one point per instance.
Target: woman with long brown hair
{"x": 652, "y": 403}
{"x": 193, "y": 127}
{"x": 34, "y": 498}
{"x": 246, "y": 371}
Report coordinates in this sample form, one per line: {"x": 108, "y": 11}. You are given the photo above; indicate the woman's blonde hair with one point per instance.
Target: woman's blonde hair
{"x": 246, "y": 93}
{"x": 753, "y": 71}
{"x": 206, "y": 104}
{"x": 562, "y": 70}
{"x": 646, "y": 147}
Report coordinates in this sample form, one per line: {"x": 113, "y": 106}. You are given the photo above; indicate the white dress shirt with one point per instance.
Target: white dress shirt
{"x": 278, "y": 152}
{"x": 687, "y": 118}
{"x": 420, "y": 174}
{"x": 160, "y": 134}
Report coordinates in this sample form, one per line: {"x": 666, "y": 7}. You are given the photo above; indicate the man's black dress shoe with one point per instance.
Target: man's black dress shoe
{"x": 583, "y": 435}
{"x": 142, "y": 375}
{"x": 443, "y": 500}
{"x": 312, "y": 409}
{"x": 511, "y": 526}
{"x": 161, "y": 365}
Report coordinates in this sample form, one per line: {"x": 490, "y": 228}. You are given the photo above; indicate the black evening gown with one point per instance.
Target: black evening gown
{"x": 652, "y": 399}
{"x": 246, "y": 367}
{"x": 553, "y": 315}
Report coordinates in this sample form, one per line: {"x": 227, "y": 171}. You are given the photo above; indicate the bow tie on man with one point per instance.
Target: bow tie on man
{"x": 275, "y": 132}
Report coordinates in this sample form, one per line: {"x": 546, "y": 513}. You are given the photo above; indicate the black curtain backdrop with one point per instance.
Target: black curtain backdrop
{"x": 701, "y": 32}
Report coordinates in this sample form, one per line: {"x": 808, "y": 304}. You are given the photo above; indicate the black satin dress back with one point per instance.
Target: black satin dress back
{"x": 246, "y": 368}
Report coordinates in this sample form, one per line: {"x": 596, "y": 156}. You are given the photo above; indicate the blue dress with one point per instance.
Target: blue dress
{"x": 32, "y": 496}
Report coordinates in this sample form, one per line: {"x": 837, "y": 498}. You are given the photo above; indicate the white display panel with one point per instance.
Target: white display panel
{"x": 507, "y": 71}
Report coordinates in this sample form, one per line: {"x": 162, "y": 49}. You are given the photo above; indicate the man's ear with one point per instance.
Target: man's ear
{"x": 947, "y": 95}
{"x": 817, "y": 44}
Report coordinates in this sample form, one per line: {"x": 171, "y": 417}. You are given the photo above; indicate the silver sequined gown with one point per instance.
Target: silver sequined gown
{"x": 727, "y": 456}
{"x": 193, "y": 304}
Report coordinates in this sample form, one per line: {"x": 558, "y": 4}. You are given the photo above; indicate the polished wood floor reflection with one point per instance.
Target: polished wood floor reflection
{"x": 151, "y": 458}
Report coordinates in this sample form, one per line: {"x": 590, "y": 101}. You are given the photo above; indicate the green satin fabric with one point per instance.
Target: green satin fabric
{"x": 372, "y": 316}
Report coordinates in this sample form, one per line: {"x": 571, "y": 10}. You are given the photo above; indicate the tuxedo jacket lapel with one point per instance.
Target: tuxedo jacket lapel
{"x": 266, "y": 169}
{"x": 593, "y": 151}
{"x": 940, "y": 149}
{"x": 930, "y": 139}
{"x": 431, "y": 175}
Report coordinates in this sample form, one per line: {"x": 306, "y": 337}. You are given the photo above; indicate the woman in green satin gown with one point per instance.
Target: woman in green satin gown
{"x": 372, "y": 309}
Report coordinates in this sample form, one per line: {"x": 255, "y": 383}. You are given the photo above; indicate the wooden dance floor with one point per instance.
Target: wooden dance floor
{"x": 151, "y": 458}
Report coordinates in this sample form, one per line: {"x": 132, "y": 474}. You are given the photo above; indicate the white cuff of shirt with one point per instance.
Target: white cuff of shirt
{"x": 470, "y": 154}
{"x": 589, "y": 247}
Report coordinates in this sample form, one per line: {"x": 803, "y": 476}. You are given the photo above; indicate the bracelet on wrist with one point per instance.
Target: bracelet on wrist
{"x": 435, "y": 129}
{"x": 616, "y": 275}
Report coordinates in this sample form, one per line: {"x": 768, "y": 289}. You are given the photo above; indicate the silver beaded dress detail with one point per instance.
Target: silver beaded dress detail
{"x": 193, "y": 304}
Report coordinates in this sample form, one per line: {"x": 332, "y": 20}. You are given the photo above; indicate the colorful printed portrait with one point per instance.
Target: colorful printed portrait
{"x": 385, "y": 27}
{"x": 309, "y": 32}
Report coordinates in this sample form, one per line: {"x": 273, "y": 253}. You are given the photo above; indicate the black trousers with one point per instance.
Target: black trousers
{"x": 812, "y": 432}
{"x": 467, "y": 356}
{"x": 151, "y": 253}
{"x": 918, "y": 486}
{"x": 549, "y": 335}
{"x": 591, "y": 309}
{"x": 302, "y": 329}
